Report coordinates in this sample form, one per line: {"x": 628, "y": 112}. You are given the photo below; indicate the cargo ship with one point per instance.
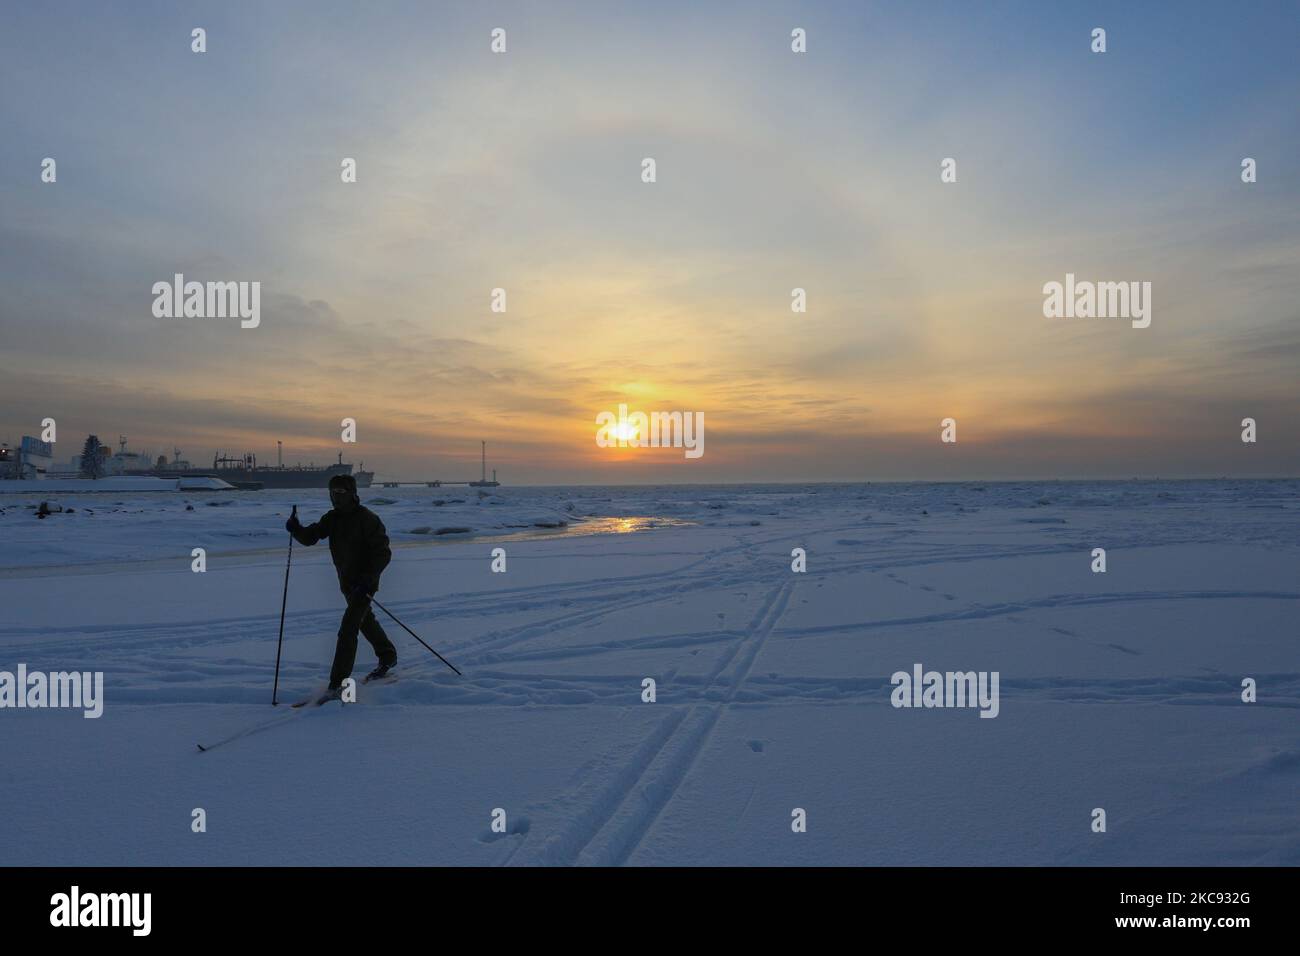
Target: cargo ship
{"x": 245, "y": 472}
{"x": 242, "y": 472}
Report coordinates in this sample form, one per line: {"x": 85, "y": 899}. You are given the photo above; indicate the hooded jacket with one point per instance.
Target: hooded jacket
{"x": 358, "y": 545}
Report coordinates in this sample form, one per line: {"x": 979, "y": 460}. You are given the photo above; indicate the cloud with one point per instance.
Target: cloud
{"x": 775, "y": 172}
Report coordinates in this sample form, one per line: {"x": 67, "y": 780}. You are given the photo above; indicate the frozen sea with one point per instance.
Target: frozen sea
{"x": 1119, "y": 690}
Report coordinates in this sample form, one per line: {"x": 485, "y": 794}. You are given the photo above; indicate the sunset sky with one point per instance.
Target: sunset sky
{"x": 775, "y": 171}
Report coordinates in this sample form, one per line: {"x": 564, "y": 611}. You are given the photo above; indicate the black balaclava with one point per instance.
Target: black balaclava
{"x": 343, "y": 493}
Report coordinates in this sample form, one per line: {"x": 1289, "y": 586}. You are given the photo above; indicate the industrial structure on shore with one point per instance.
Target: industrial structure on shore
{"x": 34, "y": 460}
{"x": 482, "y": 482}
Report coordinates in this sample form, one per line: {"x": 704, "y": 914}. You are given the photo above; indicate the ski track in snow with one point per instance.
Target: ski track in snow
{"x": 940, "y": 569}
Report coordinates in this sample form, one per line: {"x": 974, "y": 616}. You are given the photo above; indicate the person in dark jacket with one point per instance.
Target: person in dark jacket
{"x": 359, "y": 547}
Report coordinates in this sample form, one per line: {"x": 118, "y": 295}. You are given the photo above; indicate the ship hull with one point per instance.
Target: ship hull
{"x": 272, "y": 477}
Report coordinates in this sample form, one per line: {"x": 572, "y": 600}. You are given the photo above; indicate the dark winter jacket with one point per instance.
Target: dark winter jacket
{"x": 358, "y": 545}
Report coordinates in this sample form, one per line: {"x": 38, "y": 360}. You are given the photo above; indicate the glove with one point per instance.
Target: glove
{"x": 293, "y": 524}
{"x": 362, "y": 592}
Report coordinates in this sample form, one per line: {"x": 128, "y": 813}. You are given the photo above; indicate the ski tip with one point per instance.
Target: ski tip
{"x": 202, "y": 749}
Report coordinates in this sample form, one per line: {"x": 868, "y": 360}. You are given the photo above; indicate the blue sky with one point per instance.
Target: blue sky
{"x": 775, "y": 170}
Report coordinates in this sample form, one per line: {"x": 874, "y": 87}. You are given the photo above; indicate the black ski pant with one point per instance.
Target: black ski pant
{"x": 359, "y": 617}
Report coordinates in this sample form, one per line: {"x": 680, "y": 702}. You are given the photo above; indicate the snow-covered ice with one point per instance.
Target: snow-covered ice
{"x": 1119, "y": 690}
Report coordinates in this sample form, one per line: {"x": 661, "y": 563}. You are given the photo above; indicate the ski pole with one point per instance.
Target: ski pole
{"x": 416, "y": 636}
{"x": 283, "y": 601}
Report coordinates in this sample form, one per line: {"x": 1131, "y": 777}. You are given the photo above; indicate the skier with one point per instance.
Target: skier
{"x": 359, "y": 547}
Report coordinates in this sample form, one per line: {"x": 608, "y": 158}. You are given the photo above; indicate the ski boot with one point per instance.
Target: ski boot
{"x": 379, "y": 672}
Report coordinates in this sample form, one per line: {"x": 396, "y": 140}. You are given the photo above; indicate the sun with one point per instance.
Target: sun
{"x": 625, "y": 431}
